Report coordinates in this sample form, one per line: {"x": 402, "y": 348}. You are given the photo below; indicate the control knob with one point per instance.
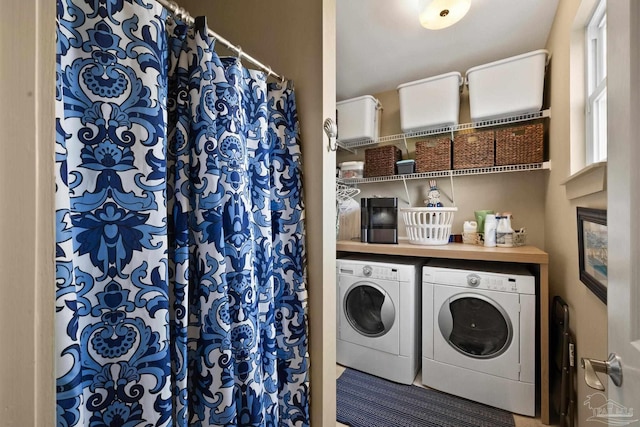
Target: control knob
{"x": 367, "y": 271}
{"x": 473, "y": 280}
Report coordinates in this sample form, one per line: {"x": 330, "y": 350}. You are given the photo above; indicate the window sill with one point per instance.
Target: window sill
{"x": 590, "y": 180}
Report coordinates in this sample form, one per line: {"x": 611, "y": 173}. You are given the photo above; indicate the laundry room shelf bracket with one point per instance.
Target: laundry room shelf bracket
{"x": 406, "y": 190}
{"x": 342, "y": 146}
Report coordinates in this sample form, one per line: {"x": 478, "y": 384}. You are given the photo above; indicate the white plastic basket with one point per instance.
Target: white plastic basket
{"x": 428, "y": 226}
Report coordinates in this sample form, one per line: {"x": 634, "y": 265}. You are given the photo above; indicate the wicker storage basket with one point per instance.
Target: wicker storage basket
{"x": 473, "y": 150}
{"x": 433, "y": 154}
{"x": 381, "y": 161}
{"x": 428, "y": 226}
{"x": 520, "y": 144}
{"x": 519, "y": 238}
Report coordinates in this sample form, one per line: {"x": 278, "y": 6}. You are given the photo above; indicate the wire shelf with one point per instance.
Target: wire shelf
{"x": 449, "y": 173}
{"x": 449, "y": 129}
{"x": 359, "y": 143}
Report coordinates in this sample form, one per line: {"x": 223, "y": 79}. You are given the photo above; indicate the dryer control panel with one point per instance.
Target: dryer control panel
{"x": 522, "y": 283}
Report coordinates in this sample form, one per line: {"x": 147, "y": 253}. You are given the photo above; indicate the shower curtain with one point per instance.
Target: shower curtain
{"x": 180, "y": 255}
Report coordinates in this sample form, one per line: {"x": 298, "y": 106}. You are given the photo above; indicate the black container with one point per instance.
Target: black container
{"x": 405, "y": 167}
{"x": 379, "y": 220}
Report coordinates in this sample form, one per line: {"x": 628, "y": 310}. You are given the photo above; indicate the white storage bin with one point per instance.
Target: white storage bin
{"x": 358, "y": 119}
{"x": 351, "y": 170}
{"x": 507, "y": 87}
{"x": 430, "y": 103}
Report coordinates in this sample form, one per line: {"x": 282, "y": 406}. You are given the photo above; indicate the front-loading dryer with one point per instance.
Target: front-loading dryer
{"x": 479, "y": 332}
{"x": 378, "y": 317}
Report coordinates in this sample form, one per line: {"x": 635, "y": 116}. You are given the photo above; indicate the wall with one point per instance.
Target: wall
{"x": 588, "y": 316}
{"x": 27, "y": 32}
{"x": 297, "y": 39}
{"x": 522, "y": 193}
{"x": 26, "y": 186}
{"x": 537, "y": 199}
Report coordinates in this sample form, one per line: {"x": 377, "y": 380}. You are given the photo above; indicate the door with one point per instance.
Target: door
{"x": 477, "y": 330}
{"x": 369, "y": 313}
{"x": 369, "y": 310}
{"x": 623, "y": 178}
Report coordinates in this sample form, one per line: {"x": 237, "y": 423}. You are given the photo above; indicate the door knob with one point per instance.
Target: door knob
{"x": 611, "y": 367}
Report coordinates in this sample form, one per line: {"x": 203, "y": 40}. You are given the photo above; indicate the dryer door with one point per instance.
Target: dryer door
{"x": 478, "y": 330}
{"x": 369, "y": 313}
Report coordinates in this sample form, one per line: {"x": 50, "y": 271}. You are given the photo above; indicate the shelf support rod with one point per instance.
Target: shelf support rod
{"x": 453, "y": 191}
{"x": 344, "y": 147}
{"x": 406, "y": 190}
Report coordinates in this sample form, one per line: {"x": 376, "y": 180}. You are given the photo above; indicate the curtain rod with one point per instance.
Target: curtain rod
{"x": 181, "y": 13}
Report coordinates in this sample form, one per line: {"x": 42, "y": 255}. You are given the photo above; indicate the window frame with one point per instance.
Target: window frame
{"x": 596, "y": 85}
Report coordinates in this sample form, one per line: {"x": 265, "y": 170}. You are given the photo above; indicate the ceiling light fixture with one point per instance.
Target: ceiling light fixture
{"x": 438, "y": 14}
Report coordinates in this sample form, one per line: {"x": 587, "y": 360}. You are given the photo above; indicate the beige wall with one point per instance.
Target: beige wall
{"x": 27, "y": 32}
{"x": 537, "y": 199}
{"x": 522, "y": 193}
{"x": 292, "y": 42}
{"x": 297, "y": 39}
{"x": 588, "y": 316}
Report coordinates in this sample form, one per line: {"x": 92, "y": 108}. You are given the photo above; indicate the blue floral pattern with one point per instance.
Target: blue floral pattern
{"x": 180, "y": 256}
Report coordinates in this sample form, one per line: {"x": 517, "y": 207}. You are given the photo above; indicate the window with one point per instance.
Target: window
{"x": 596, "y": 85}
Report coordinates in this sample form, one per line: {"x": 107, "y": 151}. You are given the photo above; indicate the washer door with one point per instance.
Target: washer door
{"x": 369, "y": 309}
{"x": 369, "y": 313}
{"x": 475, "y": 325}
{"x": 478, "y": 330}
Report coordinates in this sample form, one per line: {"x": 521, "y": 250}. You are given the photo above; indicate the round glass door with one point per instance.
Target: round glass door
{"x": 369, "y": 309}
{"x": 475, "y": 326}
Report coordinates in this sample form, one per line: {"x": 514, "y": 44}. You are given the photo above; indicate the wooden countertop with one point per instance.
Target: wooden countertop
{"x": 521, "y": 254}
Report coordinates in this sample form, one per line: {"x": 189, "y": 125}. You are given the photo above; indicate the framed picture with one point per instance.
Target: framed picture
{"x": 593, "y": 250}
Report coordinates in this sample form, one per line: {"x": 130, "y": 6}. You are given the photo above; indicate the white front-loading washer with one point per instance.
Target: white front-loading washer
{"x": 479, "y": 332}
{"x": 378, "y": 319}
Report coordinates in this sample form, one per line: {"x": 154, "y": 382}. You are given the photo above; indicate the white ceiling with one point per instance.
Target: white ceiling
{"x": 380, "y": 43}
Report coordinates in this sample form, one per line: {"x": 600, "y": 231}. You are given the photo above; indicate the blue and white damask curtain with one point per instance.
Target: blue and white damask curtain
{"x": 180, "y": 293}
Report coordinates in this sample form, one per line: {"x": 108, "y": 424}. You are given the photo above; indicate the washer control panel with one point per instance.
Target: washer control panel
{"x": 498, "y": 284}
{"x": 376, "y": 272}
{"x": 372, "y": 270}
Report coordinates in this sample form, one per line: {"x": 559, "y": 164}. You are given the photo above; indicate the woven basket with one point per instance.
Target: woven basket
{"x": 519, "y": 238}
{"x": 473, "y": 150}
{"x": 471, "y": 238}
{"x": 381, "y": 161}
{"x": 520, "y": 144}
{"x": 428, "y": 226}
{"x": 433, "y": 154}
